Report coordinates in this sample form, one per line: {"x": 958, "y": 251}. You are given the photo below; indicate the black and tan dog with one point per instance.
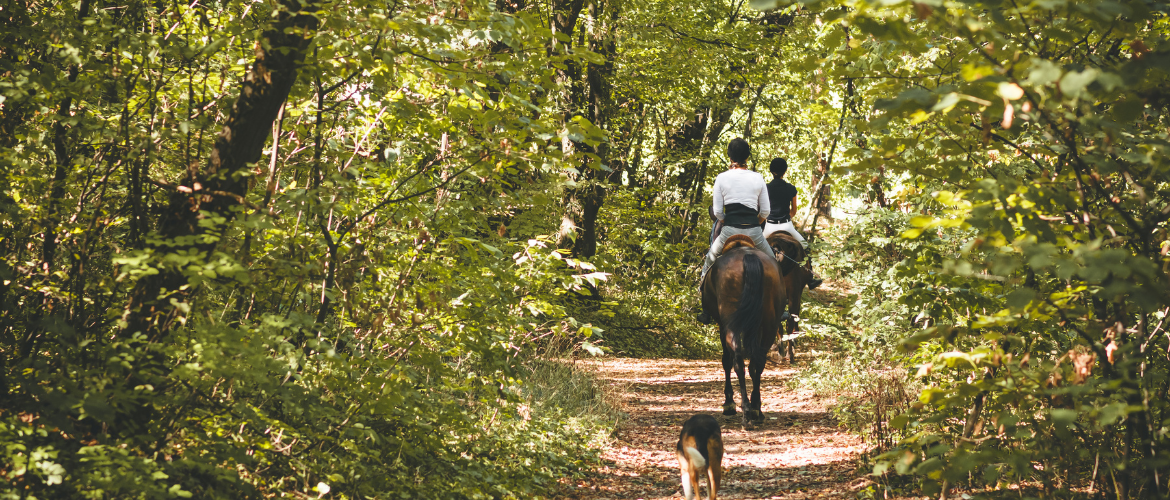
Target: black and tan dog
{"x": 700, "y": 451}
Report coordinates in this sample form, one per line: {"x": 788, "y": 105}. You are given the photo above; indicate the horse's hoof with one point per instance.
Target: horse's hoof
{"x": 729, "y": 409}
{"x": 757, "y": 416}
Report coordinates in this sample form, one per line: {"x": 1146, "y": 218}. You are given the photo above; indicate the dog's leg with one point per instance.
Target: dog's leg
{"x": 685, "y": 473}
{"x": 714, "y": 467}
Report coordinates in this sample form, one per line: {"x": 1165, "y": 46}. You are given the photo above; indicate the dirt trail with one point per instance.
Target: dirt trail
{"x": 797, "y": 453}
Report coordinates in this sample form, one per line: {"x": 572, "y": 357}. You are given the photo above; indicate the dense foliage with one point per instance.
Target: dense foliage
{"x": 256, "y": 249}
{"x": 322, "y": 248}
{"x": 1025, "y": 143}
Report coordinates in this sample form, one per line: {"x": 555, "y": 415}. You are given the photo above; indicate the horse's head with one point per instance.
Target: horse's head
{"x": 788, "y": 250}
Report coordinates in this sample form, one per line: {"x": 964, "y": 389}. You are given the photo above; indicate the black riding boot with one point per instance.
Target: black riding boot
{"x": 815, "y": 281}
{"x": 703, "y": 317}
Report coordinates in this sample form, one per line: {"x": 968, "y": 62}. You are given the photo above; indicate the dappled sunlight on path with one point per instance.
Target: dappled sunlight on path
{"x": 797, "y": 453}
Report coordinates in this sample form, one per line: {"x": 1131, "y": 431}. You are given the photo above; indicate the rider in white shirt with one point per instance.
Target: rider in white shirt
{"x": 741, "y": 201}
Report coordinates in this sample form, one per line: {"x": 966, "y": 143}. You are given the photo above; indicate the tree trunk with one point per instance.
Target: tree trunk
{"x": 200, "y": 209}
{"x": 64, "y": 163}
{"x": 584, "y": 202}
{"x": 823, "y": 197}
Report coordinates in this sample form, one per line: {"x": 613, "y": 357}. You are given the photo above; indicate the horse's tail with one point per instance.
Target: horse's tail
{"x": 745, "y": 322}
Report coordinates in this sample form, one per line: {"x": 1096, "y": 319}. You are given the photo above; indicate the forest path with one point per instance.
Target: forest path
{"x": 797, "y": 453}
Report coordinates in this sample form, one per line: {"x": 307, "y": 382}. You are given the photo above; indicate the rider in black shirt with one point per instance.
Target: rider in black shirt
{"x": 783, "y": 198}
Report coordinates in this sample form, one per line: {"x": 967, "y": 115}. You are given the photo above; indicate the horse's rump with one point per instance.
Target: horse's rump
{"x": 787, "y": 243}
{"x": 744, "y": 324}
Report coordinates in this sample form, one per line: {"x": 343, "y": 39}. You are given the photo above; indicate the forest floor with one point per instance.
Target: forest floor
{"x": 797, "y": 453}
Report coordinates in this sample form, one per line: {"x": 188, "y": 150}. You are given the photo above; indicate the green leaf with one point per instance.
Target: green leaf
{"x": 764, "y": 4}
{"x": 1063, "y": 417}
{"x": 1074, "y": 82}
{"x": 592, "y": 349}
{"x": 1020, "y": 297}
{"x": 1043, "y": 72}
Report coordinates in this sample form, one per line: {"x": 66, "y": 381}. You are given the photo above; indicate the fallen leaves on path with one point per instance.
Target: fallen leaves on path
{"x": 797, "y": 453}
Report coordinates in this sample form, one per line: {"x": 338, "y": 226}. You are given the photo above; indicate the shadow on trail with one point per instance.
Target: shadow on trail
{"x": 674, "y": 414}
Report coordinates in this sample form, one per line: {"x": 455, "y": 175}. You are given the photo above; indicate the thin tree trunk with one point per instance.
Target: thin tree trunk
{"x": 747, "y": 128}
{"x": 64, "y": 160}
{"x": 819, "y": 190}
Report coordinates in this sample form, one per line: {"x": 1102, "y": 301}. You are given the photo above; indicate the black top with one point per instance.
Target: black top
{"x": 740, "y": 216}
{"x": 780, "y": 193}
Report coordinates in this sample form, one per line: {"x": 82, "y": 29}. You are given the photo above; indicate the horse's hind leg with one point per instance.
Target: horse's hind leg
{"x": 756, "y": 369}
{"x": 793, "y": 326}
{"x": 789, "y": 345}
{"x": 743, "y": 394}
{"x": 728, "y": 394}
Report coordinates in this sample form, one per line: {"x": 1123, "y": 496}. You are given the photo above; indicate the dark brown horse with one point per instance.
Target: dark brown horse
{"x": 794, "y": 277}
{"x": 743, "y": 293}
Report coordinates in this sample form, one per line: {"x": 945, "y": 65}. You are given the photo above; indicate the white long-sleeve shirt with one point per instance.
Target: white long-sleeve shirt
{"x": 743, "y": 187}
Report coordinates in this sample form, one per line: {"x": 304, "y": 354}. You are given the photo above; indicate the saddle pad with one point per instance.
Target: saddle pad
{"x": 738, "y": 240}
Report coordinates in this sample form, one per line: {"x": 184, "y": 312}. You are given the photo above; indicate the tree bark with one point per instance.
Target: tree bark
{"x": 200, "y": 209}
{"x": 825, "y": 193}
{"x": 592, "y": 98}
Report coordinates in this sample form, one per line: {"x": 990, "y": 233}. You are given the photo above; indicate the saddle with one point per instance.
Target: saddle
{"x": 743, "y": 240}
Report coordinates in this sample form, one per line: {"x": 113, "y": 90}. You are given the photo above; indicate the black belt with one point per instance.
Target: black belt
{"x": 779, "y": 220}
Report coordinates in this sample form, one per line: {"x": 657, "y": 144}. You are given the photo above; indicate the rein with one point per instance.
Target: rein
{"x": 790, "y": 258}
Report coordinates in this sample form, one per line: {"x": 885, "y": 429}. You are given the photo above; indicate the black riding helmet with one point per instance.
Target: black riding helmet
{"x": 778, "y": 167}
{"x": 738, "y": 150}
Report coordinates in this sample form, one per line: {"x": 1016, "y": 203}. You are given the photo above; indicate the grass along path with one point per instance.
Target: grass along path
{"x": 797, "y": 453}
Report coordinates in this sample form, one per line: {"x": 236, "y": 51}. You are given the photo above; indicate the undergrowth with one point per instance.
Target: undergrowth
{"x": 644, "y": 313}
{"x": 560, "y": 386}
{"x": 659, "y": 324}
{"x": 857, "y": 321}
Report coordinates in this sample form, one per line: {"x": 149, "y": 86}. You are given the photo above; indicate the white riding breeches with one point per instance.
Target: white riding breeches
{"x": 770, "y": 228}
